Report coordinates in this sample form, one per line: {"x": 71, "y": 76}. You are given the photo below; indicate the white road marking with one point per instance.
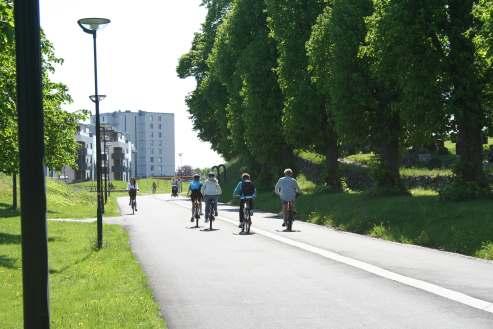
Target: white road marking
{"x": 408, "y": 281}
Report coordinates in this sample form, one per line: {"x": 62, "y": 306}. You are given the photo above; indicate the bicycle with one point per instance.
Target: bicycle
{"x": 290, "y": 216}
{"x": 196, "y": 212}
{"x": 210, "y": 215}
{"x": 247, "y": 217}
{"x": 133, "y": 204}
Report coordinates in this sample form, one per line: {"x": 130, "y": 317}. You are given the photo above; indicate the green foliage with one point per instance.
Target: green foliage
{"x": 60, "y": 126}
{"x": 463, "y": 191}
{"x": 358, "y": 75}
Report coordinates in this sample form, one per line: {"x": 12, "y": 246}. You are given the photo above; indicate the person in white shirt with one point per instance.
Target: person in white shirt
{"x": 211, "y": 192}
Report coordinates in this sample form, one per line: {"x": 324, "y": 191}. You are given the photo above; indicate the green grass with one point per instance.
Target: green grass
{"x": 421, "y": 219}
{"x": 75, "y": 200}
{"x": 88, "y": 289}
{"x": 365, "y": 159}
{"x": 412, "y": 172}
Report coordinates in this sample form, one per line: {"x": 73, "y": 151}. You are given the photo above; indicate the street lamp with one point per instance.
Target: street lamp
{"x": 94, "y": 99}
{"x": 91, "y": 26}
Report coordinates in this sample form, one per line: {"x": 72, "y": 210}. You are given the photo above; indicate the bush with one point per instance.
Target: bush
{"x": 463, "y": 191}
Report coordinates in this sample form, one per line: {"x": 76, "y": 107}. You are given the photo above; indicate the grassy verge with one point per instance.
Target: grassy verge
{"x": 422, "y": 218}
{"x": 75, "y": 200}
{"x": 88, "y": 289}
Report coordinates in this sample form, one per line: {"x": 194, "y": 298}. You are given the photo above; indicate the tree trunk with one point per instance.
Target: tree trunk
{"x": 14, "y": 191}
{"x": 466, "y": 97}
{"x": 387, "y": 175}
{"x": 332, "y": 179}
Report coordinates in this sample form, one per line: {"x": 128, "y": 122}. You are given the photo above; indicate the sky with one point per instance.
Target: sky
{"x": 137, "y": 57}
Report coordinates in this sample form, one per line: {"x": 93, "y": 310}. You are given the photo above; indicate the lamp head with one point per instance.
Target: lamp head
{"x": 98, "y": 98}
{"x": 91, "y": 25}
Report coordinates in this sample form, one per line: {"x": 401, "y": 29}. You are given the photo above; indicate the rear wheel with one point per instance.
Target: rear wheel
{"x": 290, "y": 220}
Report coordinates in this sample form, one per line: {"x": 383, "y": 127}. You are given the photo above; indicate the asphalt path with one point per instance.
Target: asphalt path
{"x": 221, "y": 279}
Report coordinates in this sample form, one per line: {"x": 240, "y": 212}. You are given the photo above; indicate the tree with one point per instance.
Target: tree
{"x": 243, "y": 58}
{"x": 468, "y": 84}
{"x": 307, "y": 117}
{"x": 60, "y": 126}
{"x": 361, "y": 101}
{"x": 207, "y": 103}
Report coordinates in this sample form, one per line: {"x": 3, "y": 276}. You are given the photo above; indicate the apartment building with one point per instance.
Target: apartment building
{"x": 153, "y": 134}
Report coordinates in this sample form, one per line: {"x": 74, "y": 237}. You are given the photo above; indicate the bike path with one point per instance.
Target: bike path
{"x": 220, "y": 279}
{"x": 471, "y": 276}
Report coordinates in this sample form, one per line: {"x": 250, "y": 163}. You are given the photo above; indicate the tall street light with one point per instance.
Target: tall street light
{"x": 94, "y": 99}
{"x": 91, "y": 26}
{"x": 31, "y": 155}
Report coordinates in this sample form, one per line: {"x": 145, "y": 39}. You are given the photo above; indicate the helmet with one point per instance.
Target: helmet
{"x": 196, "y": 176}
{"x": 288, "y": 172}
{"x": 245, "y": 175}
{"x": 211, "y": 174}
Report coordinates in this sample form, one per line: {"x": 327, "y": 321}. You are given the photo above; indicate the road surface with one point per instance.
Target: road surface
{"x": 312, "y": 278}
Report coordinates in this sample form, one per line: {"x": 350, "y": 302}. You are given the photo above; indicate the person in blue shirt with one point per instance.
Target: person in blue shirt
{"x": 195, "y": 190}
{"x": 246, "y": 191}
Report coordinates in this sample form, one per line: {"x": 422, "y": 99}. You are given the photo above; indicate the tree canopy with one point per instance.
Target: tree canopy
{"x": 336, "y": 75}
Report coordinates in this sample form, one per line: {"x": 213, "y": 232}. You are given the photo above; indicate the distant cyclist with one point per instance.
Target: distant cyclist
{"x": 211, "y": 192}
{"x": 247, "y": 193}
{"x": 132, "y": 189}
{"x": 154, "y": 187}
{"x": 194, "y": 189}
{"x": 288, "y": 189}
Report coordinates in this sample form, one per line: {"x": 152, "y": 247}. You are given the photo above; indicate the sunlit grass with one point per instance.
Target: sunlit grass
{"x": 88, "y": 289}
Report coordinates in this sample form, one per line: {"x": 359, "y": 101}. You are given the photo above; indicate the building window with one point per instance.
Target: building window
{"x": 152, "y": 151}
{"x": 160, "y": 125}
{"x": 159, "y": 118}
{"x": 152, "y": 168}
{"x": 160, "y": 135}
{"x": 152, "y": 135}
{"x": 152, "y": 126}
{"x": 152, "y": 159}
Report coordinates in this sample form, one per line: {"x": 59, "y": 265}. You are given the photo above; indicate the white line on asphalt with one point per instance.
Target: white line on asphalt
{"x": 415, "y": 283}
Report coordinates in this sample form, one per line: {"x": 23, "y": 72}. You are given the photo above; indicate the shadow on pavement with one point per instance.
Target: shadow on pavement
{"x": 209, "y": 230}
{"x": 286, "y": 231}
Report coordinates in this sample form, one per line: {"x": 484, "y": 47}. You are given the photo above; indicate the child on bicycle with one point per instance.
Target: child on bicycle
{"x": 287, "y": 188}
{"x": 194, "y": 189}
{"x": 211, "y": 192}
{"x": 132, "y": 189}
{"x": 247, "y": 193}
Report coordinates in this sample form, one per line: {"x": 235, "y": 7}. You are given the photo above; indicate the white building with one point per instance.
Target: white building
{"x": 153, "y": 135}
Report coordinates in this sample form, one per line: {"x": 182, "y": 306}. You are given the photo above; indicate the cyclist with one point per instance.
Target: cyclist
{"x": 132, "y": 189}
{"x": 195, "y": 190}
{"x": 211, "y": 192}
{"x": 288, "y": 189}
{"x": 247, "y": 192}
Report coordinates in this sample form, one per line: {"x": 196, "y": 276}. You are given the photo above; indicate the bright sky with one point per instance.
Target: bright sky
{"x": 137, "y": 57}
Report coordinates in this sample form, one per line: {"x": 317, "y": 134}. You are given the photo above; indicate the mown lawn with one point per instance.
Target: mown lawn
{"x": 75, "y": 200}
{"x": 88, "y": 289}
{"x": 422, "y": 218}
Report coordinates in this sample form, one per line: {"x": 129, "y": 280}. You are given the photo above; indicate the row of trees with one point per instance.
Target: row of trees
{"x": 275, "y": 75}
{"x": 60, "y": 126}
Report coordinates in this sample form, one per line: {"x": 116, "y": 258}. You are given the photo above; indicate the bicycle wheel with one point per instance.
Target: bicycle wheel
{"x": 290, "y": 220}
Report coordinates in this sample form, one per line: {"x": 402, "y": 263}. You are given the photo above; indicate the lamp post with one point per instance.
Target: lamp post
{"x": 91, "y": 26}
{"x": 94, "y": 99}
{"x": 31, "y": 154}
